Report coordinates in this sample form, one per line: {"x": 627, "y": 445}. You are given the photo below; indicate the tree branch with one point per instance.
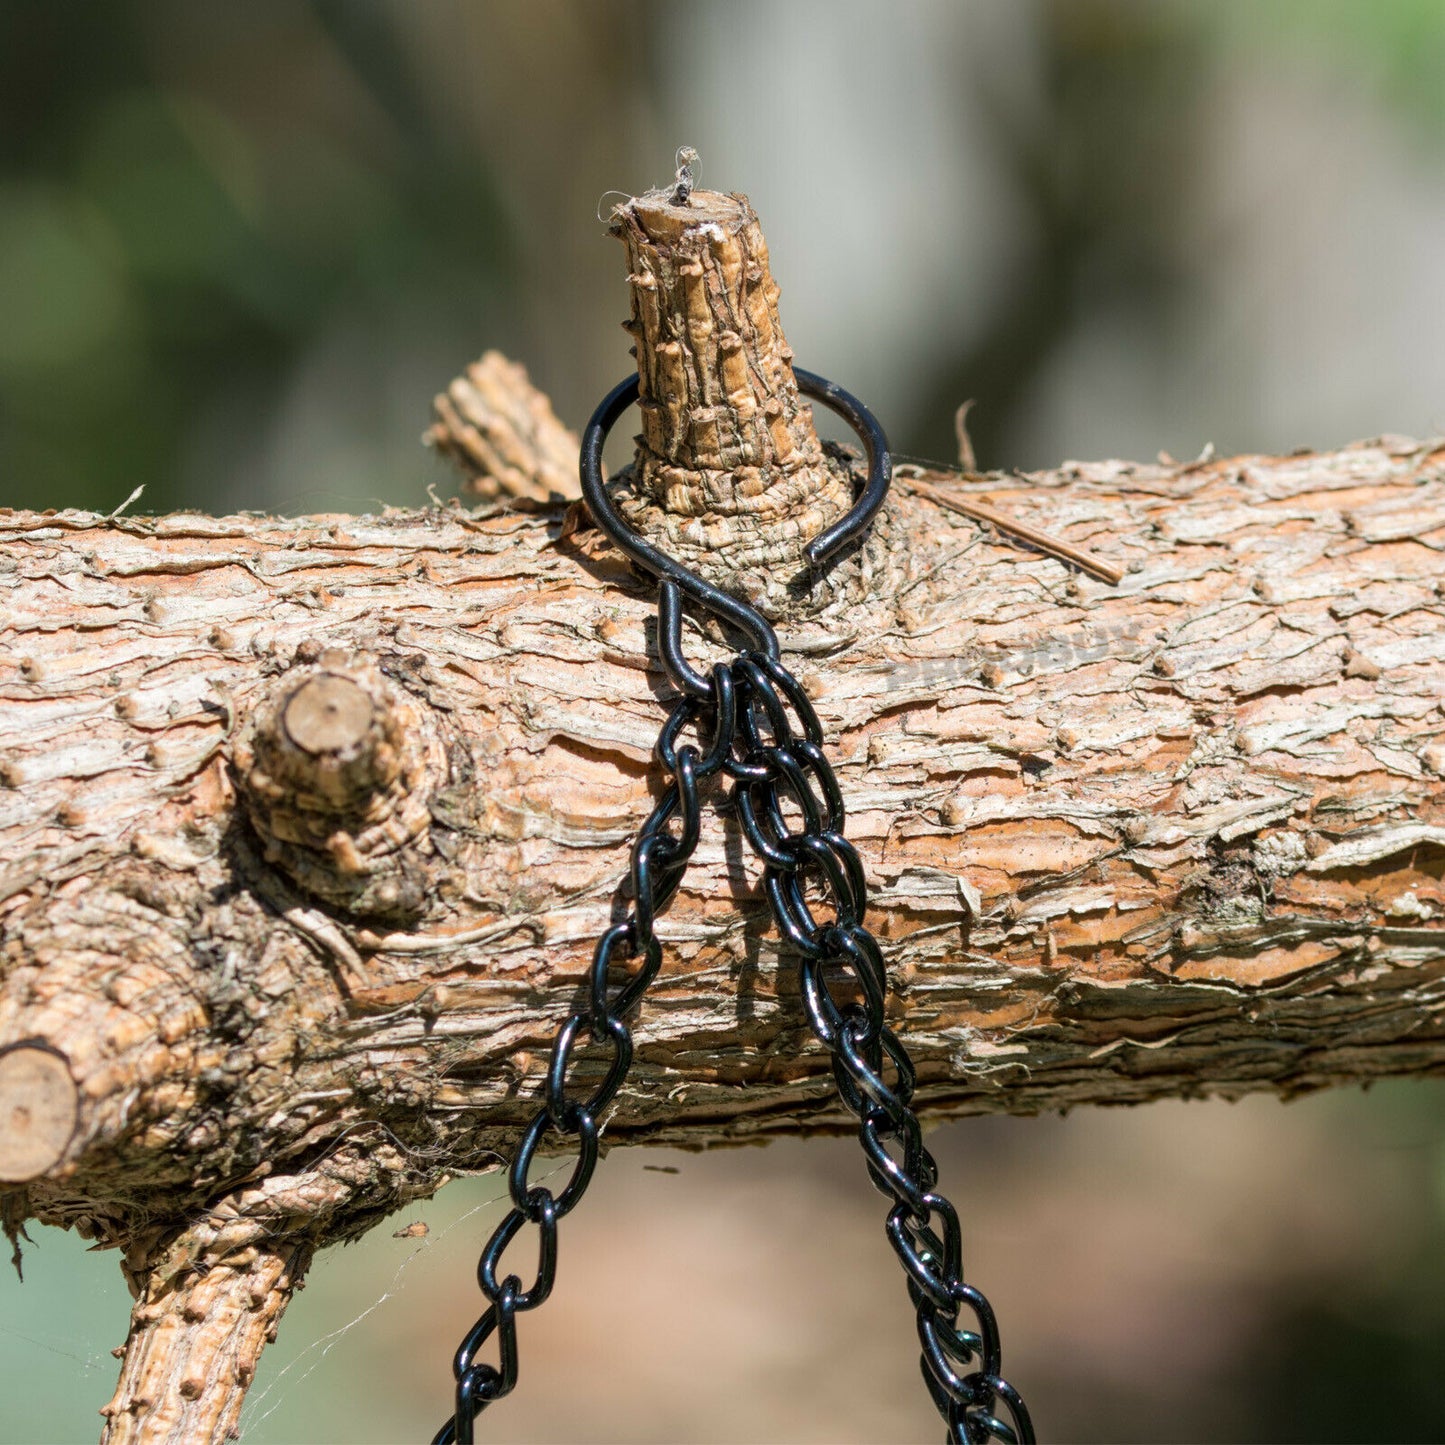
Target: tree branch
{"x": 308, "y": 826}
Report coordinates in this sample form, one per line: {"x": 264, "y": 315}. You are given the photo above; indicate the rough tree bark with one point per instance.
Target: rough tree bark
{"x": 307, "y": 826}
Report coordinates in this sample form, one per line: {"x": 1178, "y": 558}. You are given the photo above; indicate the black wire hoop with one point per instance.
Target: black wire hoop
{"x": 676, "y": 579}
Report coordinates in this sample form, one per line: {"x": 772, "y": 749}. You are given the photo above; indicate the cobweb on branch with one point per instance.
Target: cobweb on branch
{"x": 264, "y": 1402}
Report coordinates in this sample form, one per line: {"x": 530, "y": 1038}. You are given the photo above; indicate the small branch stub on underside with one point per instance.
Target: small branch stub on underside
{"x": 194, "y": 1342}
{"x": 39, "y": 1106}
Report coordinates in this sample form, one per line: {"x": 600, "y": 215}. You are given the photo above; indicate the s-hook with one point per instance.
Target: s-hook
{"x": 766, "y": 738}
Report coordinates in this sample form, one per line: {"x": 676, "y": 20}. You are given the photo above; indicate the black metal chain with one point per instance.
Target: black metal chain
{"x": 781, "y": 769}
{"x": 761, "y": 732}
{"x": 659, "y": 860}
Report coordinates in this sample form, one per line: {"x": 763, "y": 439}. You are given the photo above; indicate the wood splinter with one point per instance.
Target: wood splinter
{"x": 982, "y": 512}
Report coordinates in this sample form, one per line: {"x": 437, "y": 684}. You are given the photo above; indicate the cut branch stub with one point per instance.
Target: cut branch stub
{"x": 39, "y": 1106}
{"x": 730, "y": 475}
{"x": 100, "y": 1026}
{"x": 337, "y": 767}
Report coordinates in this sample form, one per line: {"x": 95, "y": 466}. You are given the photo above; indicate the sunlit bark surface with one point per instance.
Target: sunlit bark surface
{"x": 307, "y": 828}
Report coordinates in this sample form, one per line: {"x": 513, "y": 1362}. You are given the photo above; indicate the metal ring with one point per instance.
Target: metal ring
{"x": 826, "y": 544}
{"x": 880, "y": 465}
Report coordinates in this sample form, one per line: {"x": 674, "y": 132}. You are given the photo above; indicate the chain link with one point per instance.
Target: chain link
{"x": 766, "y": 738}
{"x": 778, "y": 770}
{"x": 571, "y": 1111}
{"x": 844, "y": 989}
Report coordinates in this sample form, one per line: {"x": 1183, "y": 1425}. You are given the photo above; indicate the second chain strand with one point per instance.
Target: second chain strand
{"x": 960, "y": 1364}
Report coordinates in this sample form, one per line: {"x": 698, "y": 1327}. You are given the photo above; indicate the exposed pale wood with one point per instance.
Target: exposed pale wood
{"x": 328, "y": 715}
{"x": 38, "y": 1109}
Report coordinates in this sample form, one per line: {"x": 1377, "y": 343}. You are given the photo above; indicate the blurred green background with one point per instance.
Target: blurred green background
{"x": 241, "y": 247}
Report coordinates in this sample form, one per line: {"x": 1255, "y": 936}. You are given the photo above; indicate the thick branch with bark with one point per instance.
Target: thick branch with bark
{"x": 307, "y": 827}
{"x": 1182, "y": 836}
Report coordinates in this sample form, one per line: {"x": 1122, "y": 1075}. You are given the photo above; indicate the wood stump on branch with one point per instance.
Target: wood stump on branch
{"x": 309, "y": 825}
